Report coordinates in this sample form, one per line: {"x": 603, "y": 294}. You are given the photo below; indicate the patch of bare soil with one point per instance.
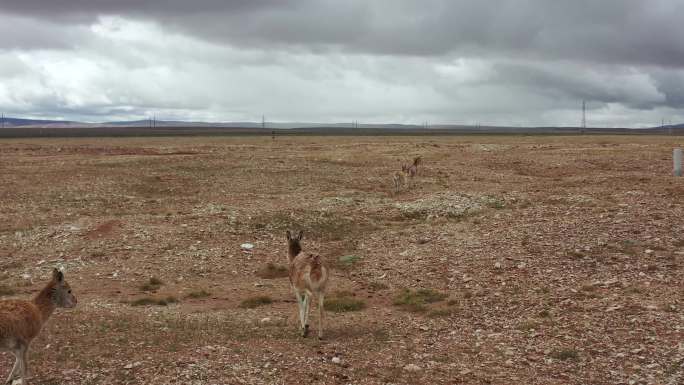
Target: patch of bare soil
{"x": 510, "y": 260}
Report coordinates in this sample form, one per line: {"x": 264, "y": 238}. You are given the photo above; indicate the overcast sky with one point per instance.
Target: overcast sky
{"x": 507, "y": 62}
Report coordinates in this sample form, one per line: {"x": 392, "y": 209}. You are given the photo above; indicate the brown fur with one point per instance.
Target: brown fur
{"x": 411, "y": 171}
{"x": 22, "y": 320}
{"x": 399, "y": 180}
{"x": 308, "y": 278}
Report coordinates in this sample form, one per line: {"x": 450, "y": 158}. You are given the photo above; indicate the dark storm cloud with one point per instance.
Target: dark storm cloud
{"x": 528, "y": 61}
{"x": 613, "y": 31}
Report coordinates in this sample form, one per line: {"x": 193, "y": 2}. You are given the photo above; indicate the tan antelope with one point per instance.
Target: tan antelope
{"x": 399, "y": 180}
{"x": 411, "y": 170}
{"x": 308, "y": 278}
{"x": 22, "y": 320}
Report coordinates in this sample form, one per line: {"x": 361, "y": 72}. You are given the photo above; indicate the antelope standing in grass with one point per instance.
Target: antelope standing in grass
{"x": 21, "y": 321}
{"x": 308, "y": 278}
{"x": 399, "y": 180}
{"x": 411, "y": 170}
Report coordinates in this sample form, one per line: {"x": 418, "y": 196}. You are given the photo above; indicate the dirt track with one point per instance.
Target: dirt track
{"x": 560, "y": 257}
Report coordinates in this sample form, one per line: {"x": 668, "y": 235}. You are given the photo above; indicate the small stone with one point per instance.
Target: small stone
{"x": 247, "y": 246}
{"x": 521, "y": 265}
{"x": 336, "y": 360}
{"x": 497, "y": 265}
{"x": 412, "y": 368}
{"x": 265, "y": 320}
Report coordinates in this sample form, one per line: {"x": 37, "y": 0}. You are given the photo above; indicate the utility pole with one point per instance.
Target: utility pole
{"x": 263, "y": 121}
{"x": 3, "y": 120}
{"x": 584, "y": 117}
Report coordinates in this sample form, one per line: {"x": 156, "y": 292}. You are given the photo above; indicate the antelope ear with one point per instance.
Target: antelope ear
{"x": 57, "y": 275}
{"x": 301, "y": 233}
{"x": 288, "y": 234}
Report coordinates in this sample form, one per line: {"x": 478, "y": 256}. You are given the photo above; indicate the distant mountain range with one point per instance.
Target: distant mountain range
{"x": 17, "y": 127}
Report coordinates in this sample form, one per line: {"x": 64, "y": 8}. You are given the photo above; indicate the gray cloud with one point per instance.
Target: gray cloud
{"x": 614, "y": 31}
{"x": 530, "y": 61}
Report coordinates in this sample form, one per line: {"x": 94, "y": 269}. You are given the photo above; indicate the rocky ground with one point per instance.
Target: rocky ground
{"x": 510, "y": 260}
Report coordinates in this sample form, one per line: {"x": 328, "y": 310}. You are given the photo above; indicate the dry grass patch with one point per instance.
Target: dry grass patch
{"x": 6, "y": 290}
{"x": 256, "y": 301}
{"x": 326, "y": 225}
{"x": 198, "y": 294}
{"x": 343, "y": 301}
{"x": 565, "y": 354}
{"x": 147, "y": 301}
{"x": 377, "y": 286}
{"x": 272, "y": 271}
{"x": 346, "y": 261}
{"x": 153, "y": 284}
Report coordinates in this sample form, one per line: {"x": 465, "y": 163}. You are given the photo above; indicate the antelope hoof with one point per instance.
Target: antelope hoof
{"x": 305, "y": 331}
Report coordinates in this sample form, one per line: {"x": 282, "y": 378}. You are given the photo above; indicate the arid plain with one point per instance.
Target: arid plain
{"x": 510, "y": 259}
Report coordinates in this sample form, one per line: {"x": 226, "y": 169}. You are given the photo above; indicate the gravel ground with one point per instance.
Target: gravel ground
{"x": 510, "y": 260}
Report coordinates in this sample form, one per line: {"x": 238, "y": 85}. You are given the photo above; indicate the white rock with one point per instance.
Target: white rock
{"x": 247, "y": 246}
{"x": 521, "y": 265}
{"x": 265, "y": 320}
{"x": 497, "y": 265}
{"x": 412, "y": 368}
{"x": 336, "y": 360}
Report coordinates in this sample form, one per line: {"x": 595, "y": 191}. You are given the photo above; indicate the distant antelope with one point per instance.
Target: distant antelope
{"x": 21, "y": 321}
{"x": 411, "y": 170}
{"x": 308, "y": 278}
{"x": 399, "y": 180}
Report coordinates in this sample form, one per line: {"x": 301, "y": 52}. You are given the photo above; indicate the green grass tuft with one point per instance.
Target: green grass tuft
{"x": 416, "y": 301}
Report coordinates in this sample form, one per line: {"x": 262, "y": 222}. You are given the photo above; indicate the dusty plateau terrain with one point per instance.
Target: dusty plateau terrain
{"x": 527, "y": 260}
